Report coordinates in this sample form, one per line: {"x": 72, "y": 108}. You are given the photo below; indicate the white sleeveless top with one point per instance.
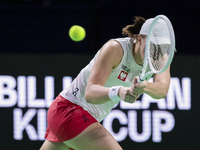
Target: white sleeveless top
{"x": 122, "y": 75}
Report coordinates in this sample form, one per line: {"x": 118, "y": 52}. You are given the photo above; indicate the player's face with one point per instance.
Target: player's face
{"x": 142, "y": 46}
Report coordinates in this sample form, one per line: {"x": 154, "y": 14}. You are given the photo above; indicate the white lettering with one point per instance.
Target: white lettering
{"x": 8, "y": 94}
{"x": 159, "y": 127}
{"x": 146, "y": 126}
{"x": 66, "y": 81}
{"x": 147, "y": 100}
{"x": 41, "y": 123}
{"x": 23, "y": 92}
{"x": 32, "y": 101}
{"x": 136, "y": 105}
{"x": 183, "y": 97}
{"x": 21, "y": 123}
{"x": 108, "y": 122}
{"x": 21, "y": 88}
{"x": 49, "y": 90}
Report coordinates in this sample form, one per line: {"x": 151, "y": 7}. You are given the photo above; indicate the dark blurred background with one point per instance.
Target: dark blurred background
{"x": 41, "y": 26}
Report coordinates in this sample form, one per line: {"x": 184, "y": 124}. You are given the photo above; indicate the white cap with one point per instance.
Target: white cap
{"x": 160, "y": 33}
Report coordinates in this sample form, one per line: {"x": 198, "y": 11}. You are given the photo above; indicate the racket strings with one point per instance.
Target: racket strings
{"x": 159, "y": 54}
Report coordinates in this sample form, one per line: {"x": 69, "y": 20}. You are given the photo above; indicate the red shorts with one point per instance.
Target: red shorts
{"x": 66, "y": 120}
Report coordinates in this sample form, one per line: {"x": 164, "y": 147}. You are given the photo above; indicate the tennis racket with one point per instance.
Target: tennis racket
{"x": 160, "y": 48}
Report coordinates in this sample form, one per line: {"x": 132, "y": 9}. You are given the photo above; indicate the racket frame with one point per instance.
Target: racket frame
{"x": 146, "y": 75}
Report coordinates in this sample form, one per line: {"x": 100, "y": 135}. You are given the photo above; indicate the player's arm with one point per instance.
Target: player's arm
{"x": 109, "y": 58}
{"x": 158, "y": 89}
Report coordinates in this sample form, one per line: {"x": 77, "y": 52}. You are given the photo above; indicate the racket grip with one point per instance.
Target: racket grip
{"x": 139, "y": 80}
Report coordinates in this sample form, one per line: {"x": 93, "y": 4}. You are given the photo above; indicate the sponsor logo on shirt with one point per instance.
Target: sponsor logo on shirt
{"x": 124, "y": 73}
{"x": 125, "y": 68}
{"x": 75, "y": 91}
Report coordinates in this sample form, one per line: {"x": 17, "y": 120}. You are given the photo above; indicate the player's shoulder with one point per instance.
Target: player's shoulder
{"x": 112, "y": 51}
{"x": 113, "y": 46}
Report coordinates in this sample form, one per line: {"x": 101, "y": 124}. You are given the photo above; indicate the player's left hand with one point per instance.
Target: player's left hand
{"x": 139, "y": 87}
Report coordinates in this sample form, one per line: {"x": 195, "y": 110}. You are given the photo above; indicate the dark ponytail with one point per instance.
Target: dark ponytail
{"x": 134, "y": 29}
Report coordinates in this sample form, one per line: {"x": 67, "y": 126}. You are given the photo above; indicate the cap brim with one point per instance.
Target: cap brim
{"x": 159, "y": 40}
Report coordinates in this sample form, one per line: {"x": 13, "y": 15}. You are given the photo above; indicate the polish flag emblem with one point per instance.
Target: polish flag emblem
{"x": 123, "y": 75}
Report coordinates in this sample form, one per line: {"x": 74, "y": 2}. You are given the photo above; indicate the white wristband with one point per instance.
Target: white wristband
{"x": 113, "y": 93}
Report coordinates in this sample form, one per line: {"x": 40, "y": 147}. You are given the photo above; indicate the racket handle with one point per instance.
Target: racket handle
{"x": 139, "y": 80}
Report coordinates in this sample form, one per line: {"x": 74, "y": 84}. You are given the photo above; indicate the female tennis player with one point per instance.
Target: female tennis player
{"x": 111, "y": 76}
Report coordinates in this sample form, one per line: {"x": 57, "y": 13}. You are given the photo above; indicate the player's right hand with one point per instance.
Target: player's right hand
{"x": 127, "y": 95}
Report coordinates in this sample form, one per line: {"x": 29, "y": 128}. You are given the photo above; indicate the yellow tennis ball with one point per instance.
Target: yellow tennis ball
{"x": 77, "y": 33}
